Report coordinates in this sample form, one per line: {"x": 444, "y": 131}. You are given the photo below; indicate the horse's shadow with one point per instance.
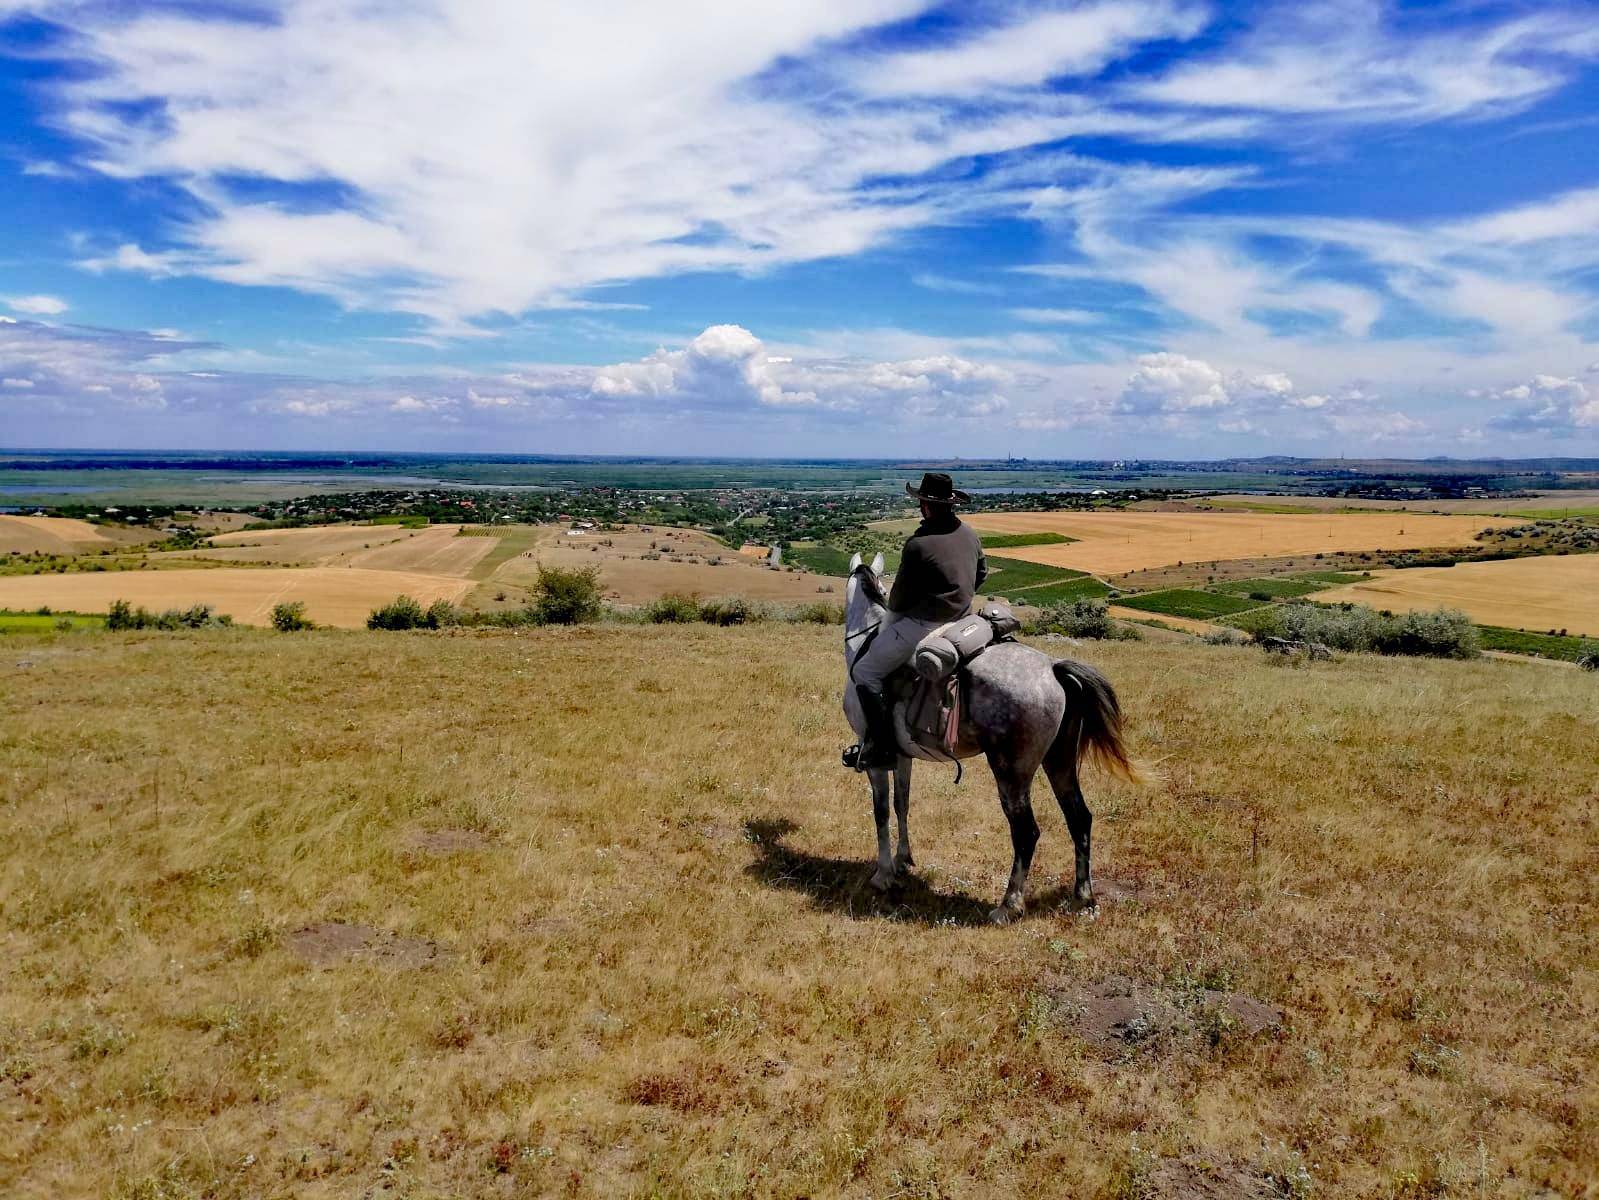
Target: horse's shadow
{"x": 841, "y": 885}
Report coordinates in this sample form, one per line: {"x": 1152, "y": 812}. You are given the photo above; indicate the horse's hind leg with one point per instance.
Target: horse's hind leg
{"x": 1015, "y": 797}
{"x": 1060, "y": 764}
{"x": 902, "y": 813}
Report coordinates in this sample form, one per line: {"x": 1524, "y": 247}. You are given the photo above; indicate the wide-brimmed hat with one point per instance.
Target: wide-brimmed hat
{"x": 937, "y": 488}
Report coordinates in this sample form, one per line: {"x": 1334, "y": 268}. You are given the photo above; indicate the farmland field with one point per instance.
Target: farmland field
{"x": 332, "y": 595}
{"x": 1114, "y": 542}
{"x": 587, "y": 914}
{"x": 685, "y": 561}
{"x": 1186, "y": 602}
{"x": 50, "y": 535}
{"x": 1543, "y": 593}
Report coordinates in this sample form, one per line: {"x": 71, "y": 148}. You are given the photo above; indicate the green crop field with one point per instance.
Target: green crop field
{"x": 830, "y": 560}
{"x": 1282, "y": 588}
{"x": 1012, "y": 573}
{"x": 34, "y": 622}
{"x": 1070, "y": 589}
{"x": 1332, "y": 576}
{"x": 1000, "y": 541}
{"x": 1542, "y": 645}
{"x": 1185, "y": 602}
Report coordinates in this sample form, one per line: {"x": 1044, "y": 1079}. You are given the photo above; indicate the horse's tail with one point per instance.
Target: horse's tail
{"x": 1091, "y": 702}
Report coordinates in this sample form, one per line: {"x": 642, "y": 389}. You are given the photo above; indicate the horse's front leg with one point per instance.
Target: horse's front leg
{"x": 883, "y": 878}
{"x": 903, "y": 861}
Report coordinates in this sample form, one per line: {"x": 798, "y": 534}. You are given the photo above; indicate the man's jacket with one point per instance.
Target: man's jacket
{"x": 940, "y": 571}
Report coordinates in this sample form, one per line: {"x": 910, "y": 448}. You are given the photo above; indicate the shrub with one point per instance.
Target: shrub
{"x": 674, "y": 608}
{"x": 1441, "y": 634}
{"x": 1084, "y": 617}
{"x": 400, "y": 613}
{"x": 817, "y": 612}
{"x": 441, "y": 614}
{"x": 1589, "y": 661}
{"x": 733, "y": 611}
{"x": 567, "y": 597}
{"x": 289, "y": 617}
{"x": 123, "y": 615}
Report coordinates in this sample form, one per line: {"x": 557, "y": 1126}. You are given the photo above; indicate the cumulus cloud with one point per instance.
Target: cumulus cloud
{"x": 1548, "y": 404}
{"x": 37, "y": 306}
{"x": 1173, "y": 383}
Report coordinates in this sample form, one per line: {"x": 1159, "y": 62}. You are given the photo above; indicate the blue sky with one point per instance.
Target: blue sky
{"x": 1130, "y": 227}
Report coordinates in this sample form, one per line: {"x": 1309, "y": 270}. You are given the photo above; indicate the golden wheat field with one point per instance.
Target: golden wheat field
{"x": 50, "y": 535}
{"x": 313, "y": 546}
{"x": 339, "y": 596}
{"x": 583, "y": 912}
{"x": 1109, "y": 543}
{"x": 1539, "y": 593}
{"x": 684, "y": 561}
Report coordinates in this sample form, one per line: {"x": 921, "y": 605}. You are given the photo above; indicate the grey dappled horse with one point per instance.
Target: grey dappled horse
{"x": 1022, "y": 711}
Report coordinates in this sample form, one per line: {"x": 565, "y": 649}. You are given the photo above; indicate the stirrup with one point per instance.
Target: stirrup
{"x": 852, "y": 757}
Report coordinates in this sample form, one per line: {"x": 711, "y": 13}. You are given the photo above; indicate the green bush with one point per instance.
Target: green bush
{"x": 733, "y": 611}
{"x": 1084, "y": 617}
{"x": 1589, "y": 661}
{"x": 1354, "y": 627}
{"x": 817, "y": 612}
{"x": 400, "y": 613}
{"x": 674, "y": 608}
{"x": 289, "y": 617}
{"x": 123, "y": 615}
{"x": 567, "y": 597}
{"x": 441, "y": 614}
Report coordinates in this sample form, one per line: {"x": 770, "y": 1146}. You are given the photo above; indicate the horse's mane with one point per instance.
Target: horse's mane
{"x": 873, "y": 585}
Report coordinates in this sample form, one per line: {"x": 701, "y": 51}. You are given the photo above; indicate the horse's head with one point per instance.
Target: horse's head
{"x": 864, "y": 601}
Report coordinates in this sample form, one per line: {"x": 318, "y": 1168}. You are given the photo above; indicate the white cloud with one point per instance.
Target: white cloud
{"x": 1548, "y": 403}
{"x": 682, "y": 145}
{"x": 1058, "y": 316}
{"x": 10, "y": 382}
{"x": 37, "y": 306}
{"x": 1351, "y": 59}
{"x": 1173, "y": 383}
{"x": 1028, "y": 52}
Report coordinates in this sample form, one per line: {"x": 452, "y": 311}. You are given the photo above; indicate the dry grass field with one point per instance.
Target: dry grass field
{"x": 584, "y": 913}
{"x": 1111, "y": 543}
{"x": 339, "y": 596}
{"x": 1549, "y": 592}
{"x": 50, "y": 535}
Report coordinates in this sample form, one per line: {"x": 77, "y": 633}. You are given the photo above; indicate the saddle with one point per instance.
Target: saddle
{"x": 931, "y": 688}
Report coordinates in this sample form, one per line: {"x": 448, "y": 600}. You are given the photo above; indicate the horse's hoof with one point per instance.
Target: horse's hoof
{"x": 882, "y": 880}
{"x": 902, "y": 866}
{"x": 1002, "y": 915}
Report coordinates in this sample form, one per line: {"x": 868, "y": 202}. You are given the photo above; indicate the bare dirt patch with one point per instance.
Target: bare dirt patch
{"x": 332, "y": 943}
{"x": 1118, "y": 542}
{"x": 1117, "y": 1012}
{"x": 1182, "y": 1179}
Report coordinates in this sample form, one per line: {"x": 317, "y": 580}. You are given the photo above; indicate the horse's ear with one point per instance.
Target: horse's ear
{"x": 877, "y": 565}
{"x": 854, "y": 563}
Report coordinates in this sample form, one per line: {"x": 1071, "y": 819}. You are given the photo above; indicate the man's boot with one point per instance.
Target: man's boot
{"x": 879, "y": 745}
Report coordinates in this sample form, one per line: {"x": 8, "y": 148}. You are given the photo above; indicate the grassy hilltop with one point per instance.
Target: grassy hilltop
{"x": 583, "y": 912}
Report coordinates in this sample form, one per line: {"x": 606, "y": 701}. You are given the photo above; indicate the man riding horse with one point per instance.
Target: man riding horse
{"x": 940, "y": 570}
